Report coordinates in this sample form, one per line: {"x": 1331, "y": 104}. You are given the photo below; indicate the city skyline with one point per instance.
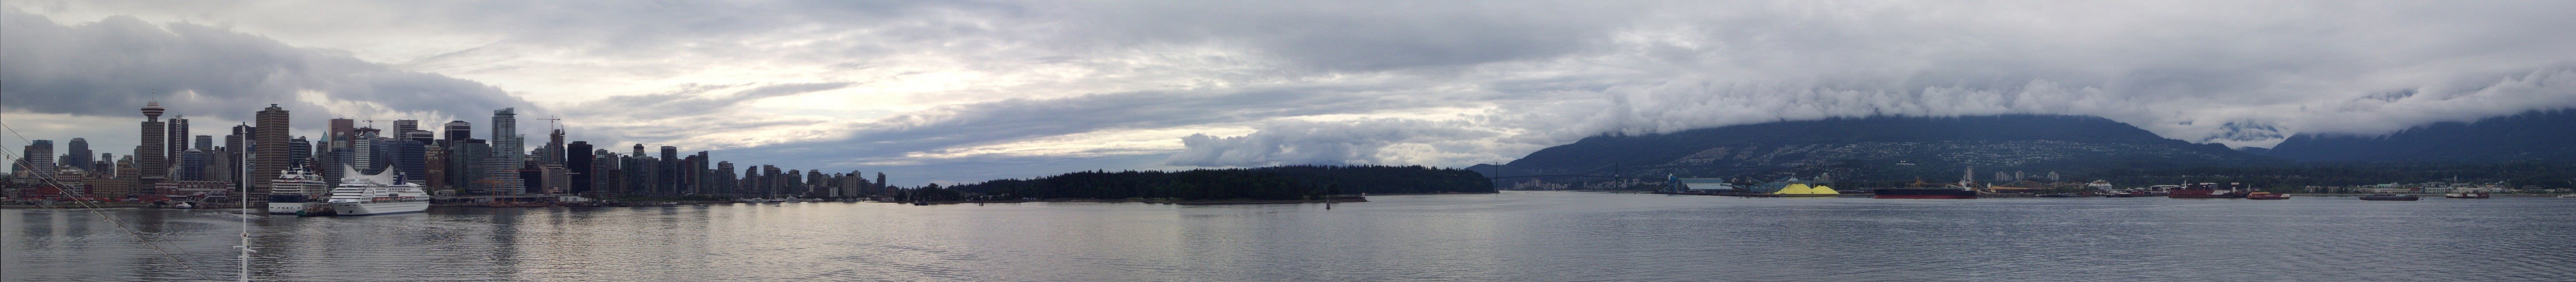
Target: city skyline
{"x": 495, "y": 167}
{"x": 955, "y": 92}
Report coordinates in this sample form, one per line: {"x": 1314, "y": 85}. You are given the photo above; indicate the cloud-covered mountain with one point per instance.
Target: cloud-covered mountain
{"x": 2537, "y": 135}
{"x": 1880, "y": 149}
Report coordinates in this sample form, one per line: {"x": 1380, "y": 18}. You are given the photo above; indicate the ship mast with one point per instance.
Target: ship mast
{"x": 244, "y": 195}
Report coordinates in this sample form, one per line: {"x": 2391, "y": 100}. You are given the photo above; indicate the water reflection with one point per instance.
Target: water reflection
{"x": 1518, "y": 236}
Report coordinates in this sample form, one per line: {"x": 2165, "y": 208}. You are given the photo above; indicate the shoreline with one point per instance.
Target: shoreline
{"x": 1334, "y": 199}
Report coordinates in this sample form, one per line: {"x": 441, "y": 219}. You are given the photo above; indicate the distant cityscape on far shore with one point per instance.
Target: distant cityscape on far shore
{"x": 173, "y": 164}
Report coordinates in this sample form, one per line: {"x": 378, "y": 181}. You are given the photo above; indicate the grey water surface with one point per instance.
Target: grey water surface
{"x": 1514, "y": 236}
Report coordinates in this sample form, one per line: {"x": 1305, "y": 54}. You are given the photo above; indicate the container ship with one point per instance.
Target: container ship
{"x": 2208, "y": 191}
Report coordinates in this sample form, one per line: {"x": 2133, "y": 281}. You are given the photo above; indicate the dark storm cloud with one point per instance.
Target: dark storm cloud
{"x": 115, "y": 65}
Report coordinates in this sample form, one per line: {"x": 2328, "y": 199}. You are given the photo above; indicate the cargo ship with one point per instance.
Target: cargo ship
{"x": 2456, "y": 194}
{"x": 2207, "y": 191}
{"x": 2266, "y": 196}
{"x": 2388, "y": 197}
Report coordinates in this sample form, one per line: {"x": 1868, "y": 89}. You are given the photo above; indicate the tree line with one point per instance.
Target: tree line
{"x": 1268, "y": 183}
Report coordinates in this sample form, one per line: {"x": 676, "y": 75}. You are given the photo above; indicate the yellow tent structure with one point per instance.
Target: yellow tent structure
{"x": 1803, "y": 189}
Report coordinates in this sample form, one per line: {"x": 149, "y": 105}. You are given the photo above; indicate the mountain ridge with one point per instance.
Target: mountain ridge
{"x": 2532, "y": 135}
{"x": 1879, "y": 147}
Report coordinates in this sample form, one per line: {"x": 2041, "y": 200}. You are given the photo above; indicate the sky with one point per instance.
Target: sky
{"x": 965, "y": 91}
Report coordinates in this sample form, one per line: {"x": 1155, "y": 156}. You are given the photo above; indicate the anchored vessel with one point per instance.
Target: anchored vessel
{"x": 2207, "y": 191}
{"x": 382, "y": 193}
{"x": 295, "y": 191}
{"x": 2388, "y": 197}
{"x": 2266, "y": 196}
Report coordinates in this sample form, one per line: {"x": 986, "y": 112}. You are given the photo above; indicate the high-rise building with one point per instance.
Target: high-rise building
{"x": 749, "y": 184}
{"x": 433, "y": 166}
{"x": 409, "y": 156}
{"x": 221, "y": 167}
{"x": 204, "y": 143}
{"x": 38, "y": 159}
{"x": 465, "y": 163}
{"x": 272, "y": 150}
{"x": 793, "y": 183}
{"x": 152, "y": 156}
{"x": 341, "y": 126}
{"x": 105, "y": 163}
{"x": 178, "y": 135}
{"x": 557, "y": 179}
{"x": 79, "y": 155}
{"x": 553, "y": 152}
{"x": 508, "y": 155}
{"x": 882, "y": 187}
{"x": 459, "y": 131}
{"x": 362, "y": 150}
{"x": 814, "y": 185}
{"x": 604, "y": 173}
{"x": 724, "y": 180}
{"x": 577, "y": 165}
{"x": 698, "y": 174}
{"x": 668, "y": 175}
{"x": 237, "y": 142}
{"x": 769, "y": 181}
{"x": 192, "y": 165}
{"x": 406, "y": 125}
{"x": 299, "y": 152}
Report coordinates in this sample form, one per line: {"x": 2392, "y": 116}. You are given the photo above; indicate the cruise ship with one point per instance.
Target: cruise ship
{"x": 296, "y": 190}
{"x": 382, "y": 193}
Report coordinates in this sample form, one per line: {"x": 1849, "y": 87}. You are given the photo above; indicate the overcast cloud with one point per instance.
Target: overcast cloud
{"x": 967, "y": 91}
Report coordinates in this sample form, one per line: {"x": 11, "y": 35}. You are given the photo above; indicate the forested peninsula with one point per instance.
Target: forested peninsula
{"x": 1267, "y": 183}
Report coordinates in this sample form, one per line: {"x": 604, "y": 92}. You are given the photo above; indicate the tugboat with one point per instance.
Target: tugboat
{"x": 2266, "y": 196}
{"x": 2389, "y": 197}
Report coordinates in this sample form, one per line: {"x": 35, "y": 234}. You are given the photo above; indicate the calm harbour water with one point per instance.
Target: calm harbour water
{"x": 1515, "y": 236}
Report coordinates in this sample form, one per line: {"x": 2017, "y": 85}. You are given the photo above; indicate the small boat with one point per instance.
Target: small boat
{"x": 183, "y": 206}
{"x": 2266, "y": 196}
{"x": 2389, "y": 197}
{"x": 2466, "y": 195}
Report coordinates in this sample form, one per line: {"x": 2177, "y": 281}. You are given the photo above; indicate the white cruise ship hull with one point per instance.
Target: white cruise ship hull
{"x": 289, "y": 208}
{"x": 379, "y": 208}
